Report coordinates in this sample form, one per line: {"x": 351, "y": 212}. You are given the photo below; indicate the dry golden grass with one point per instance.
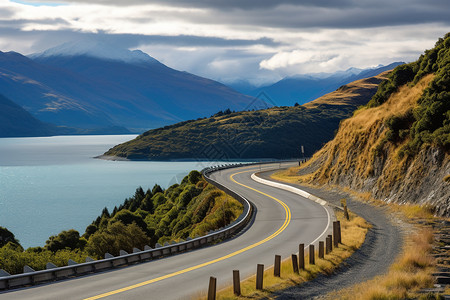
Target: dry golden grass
{"x": 352, "y": 151}
{"x": 410, "y": 273}
{"x": 447, "y": 178}
{"x": 289, "y": 175}
{"x": 344, "y": 95}
{"x": 399, "y": 103}
{"x": 353, "y": 235}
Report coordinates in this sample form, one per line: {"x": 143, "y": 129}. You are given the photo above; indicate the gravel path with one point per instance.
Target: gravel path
{"x": 382, "y": 245}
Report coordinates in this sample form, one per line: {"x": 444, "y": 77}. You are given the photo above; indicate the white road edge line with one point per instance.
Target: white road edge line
{"x": 302, "y": 193}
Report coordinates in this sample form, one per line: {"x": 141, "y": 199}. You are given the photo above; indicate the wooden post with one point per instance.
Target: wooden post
{"x": 259, "y": 276}
{"x": 236, "y": 283}
{"x": 346, "y": 213}
{"x": 328, "y": 244}
{"x": 277, "y": 266}
{"x": 339, "y": 232}
{"x": 294, "y": 263}
{"x": 301, "y": 256}
{"x": 312, "y": 257}
{"x": 335, "y": 234}
{"x": 321, "y": 250}
{"x": 331, "y": 242}
{"x": 212, "y": 288}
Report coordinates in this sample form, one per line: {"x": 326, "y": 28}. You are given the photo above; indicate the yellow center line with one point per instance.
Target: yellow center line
{"x": 283, "y": 227}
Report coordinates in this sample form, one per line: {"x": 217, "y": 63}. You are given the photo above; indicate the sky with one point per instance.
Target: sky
{"x": 257, "y": 41}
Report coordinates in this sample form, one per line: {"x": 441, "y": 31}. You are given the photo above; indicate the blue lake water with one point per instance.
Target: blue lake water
{"x": 50, "y": 184}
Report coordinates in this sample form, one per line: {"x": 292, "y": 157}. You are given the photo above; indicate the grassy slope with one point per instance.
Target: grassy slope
{"x": 391, "y": 149}
{"x": 271, "y": 133}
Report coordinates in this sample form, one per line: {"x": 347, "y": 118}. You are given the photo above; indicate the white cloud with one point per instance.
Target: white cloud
{"x": 295, "y": 58}
{"x": 308, "y": 38}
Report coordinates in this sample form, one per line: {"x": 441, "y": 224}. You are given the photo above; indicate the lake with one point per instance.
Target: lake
{"x": 50, "y": 184}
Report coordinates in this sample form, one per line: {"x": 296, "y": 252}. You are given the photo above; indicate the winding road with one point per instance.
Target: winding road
{"x": 282, "y": 221}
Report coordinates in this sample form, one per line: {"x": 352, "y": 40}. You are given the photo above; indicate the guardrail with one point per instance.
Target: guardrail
{"x": 53, "y": 273}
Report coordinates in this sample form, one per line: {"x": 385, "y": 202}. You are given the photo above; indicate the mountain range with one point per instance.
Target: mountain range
{"x": 307, "y": 87}
{"x": 92, "y": 86}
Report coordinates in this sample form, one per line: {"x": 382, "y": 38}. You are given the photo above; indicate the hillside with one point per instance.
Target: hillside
{"x": 397, "y": 148}
{"x": 96, "y": 86}
{"x": 304, "y": 88}
{"x": 17, "y": 122}
{"x": 276, "y": 132}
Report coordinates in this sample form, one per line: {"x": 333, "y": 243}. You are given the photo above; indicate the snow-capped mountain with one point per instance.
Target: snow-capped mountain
{"x": 98, "y": 50}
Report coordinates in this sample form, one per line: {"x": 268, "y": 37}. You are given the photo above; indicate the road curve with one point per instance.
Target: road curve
{"x": 283, "y": 220}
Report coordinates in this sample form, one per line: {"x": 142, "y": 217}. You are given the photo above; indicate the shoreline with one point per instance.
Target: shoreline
{"x": 243, "y": 160}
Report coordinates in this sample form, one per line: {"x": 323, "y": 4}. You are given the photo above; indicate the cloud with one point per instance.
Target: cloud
{"x": 296, "y": 57}
{"x": 217, "y": 4}
{"x": 21, "y": 23}
{"x": 233, "y": 40}
{"x": 43, "y": 39}
{"x": 357, "y": 16}
{"x": 297, "y": 14}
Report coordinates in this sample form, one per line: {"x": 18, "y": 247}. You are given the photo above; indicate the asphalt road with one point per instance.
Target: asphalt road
{"x": 283, "y": 220}
{"x": 381, "y": 247}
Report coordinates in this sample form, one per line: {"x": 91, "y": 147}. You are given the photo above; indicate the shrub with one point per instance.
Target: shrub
{"x": 69, "y": 239}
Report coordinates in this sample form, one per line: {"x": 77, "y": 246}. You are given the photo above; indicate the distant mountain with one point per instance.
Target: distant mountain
{"x": 91, "y": 86}
{"x": 304, "y": 88}
{"x": 17, "y": 122}
{"x": 276, "y": 132}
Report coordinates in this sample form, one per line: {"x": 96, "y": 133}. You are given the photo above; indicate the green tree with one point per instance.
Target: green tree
{"x": 7, "y": 236}
{"x": 194, "y": 177}
{"x": 127, "y": 217}
{"x": 115, "y": 238}
{"x": 65, "y": 239}
{"x": 157, "y": 189}
{"x": 147, "y": 204}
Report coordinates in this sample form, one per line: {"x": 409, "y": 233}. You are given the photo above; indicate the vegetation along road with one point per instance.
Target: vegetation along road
{"x": 283, "y": 220}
